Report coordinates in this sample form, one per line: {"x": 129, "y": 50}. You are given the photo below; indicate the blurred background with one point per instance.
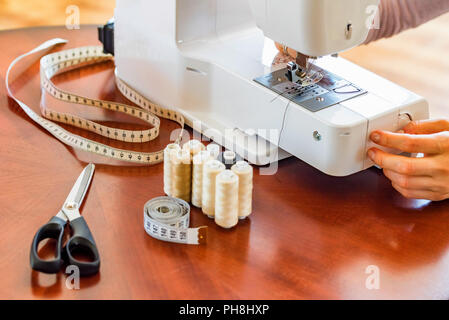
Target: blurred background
{"x": 26, "y": 13}
{"x": 416, "y": 59}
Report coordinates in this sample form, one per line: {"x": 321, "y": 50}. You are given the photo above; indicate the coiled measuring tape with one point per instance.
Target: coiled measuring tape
{"x": 62, "y": 61}
{"x": 168, "y": 219}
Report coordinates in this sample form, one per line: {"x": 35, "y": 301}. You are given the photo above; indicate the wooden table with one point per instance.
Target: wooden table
{"x": 311, "y": 235}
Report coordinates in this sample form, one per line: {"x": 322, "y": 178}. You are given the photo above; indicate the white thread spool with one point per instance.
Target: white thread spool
{"x": 181, "y": 175}
{"x": 229, "y": 158}
{"x": 197, "y": 177}
{"x": 168, "y": 151}
{"x": 214, "y": 150}
{"x": 245, "y": 173}
{"x": 194, "y": 147}
{"x": 211, "y": 169}
{"x": 227, "y": 199}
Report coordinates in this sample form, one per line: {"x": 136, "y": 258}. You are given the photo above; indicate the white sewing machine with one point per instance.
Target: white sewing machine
{"x": 211, "y": 60}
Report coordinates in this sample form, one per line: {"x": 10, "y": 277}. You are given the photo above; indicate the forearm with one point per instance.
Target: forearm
{"x": 395, "y": 16}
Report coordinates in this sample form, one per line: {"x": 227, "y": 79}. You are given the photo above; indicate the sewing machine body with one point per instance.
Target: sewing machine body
{"x": 209, "y": 59}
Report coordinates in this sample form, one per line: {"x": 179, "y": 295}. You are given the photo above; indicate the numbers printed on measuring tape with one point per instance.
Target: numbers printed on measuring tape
{"x": 168, "y": 219}
{"x": 59, "y": 62}
{"x": 173, "y": 223}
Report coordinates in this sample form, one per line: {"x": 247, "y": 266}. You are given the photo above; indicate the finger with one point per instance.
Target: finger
{"x": 427, "y": 126}
{"x": 419, "y": 194}
{"x": 429, "y": 144}
{"x": 401, "y": 164}
{"x": 411, "y": 182}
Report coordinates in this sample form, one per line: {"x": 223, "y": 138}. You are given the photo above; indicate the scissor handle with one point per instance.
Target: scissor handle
{"x": 54, "y": 229}
{"x": 82, "y": 241}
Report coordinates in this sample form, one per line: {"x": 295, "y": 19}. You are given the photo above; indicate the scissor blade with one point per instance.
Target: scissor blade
{"x": 76, "y": 196}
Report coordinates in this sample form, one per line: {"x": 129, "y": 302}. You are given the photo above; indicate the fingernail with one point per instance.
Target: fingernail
{"x": 375, "y": 137}
{"x": 371, "y": 154}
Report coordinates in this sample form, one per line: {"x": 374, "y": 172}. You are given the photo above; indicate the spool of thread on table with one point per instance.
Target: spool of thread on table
{"x": 211, "y": 169}
{"x": 214, "y": 150}
{"x": 197, "y": 177}
{"x": 194, "y": 147}
{"x": 181, "y": 175}
{"x": 229, "y": 158}
{"x": 168, "y": 151}
{"x": 227, "y": 199}
{"x": 245, "y": 173}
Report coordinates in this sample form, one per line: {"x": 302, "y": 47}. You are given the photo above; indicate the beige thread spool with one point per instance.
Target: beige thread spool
{"x": 197, "y": 177}
{"x": 211, "y": 169}
{"x": 194, "y": 147}
{"x": 227, "y": 199}
{"x": 170, "y": 149}
{"x": 181, "y": 175}
{"x": 214, "y": 150}
{"x": 245, "y": 172}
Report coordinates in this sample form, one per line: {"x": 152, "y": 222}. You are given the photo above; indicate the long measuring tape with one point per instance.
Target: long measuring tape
{"x": 62, "y": 61}
{"x": 168, "y": 219}
{"x": 165, "y": 218}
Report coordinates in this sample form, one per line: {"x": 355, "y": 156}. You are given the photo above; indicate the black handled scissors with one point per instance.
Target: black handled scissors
{"x": 81, "y": 240}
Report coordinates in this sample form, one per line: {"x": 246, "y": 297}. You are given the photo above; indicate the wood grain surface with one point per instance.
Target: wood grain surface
{"x": 310, "y": 236}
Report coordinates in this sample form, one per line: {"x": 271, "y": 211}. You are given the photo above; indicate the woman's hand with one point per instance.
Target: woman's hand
{"x": 417, "y": 178}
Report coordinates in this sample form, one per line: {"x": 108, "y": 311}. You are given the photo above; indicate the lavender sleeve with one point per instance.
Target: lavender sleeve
{"x": 398, "y": 15}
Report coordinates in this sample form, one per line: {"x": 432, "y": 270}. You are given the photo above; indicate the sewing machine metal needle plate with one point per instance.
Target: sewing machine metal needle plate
{"x": 330, "y": 91}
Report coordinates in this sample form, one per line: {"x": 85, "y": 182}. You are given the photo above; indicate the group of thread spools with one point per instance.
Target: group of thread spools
{"x": 211, "y": 180}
